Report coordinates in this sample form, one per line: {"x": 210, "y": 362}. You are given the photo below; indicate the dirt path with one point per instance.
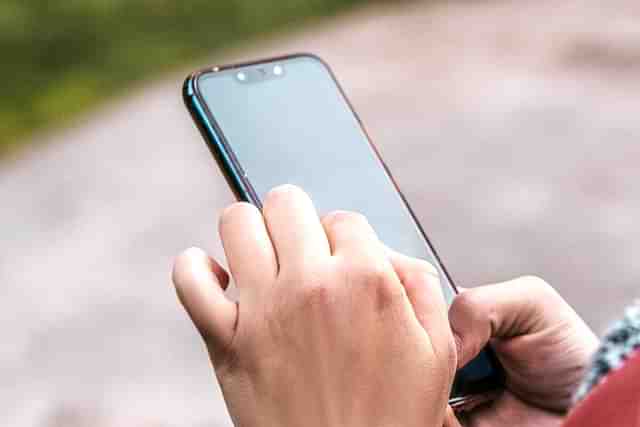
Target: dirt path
{"x": 513, "y": 128}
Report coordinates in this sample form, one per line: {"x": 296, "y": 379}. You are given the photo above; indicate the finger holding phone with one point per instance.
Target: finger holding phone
{"x": 544, "y": 346}
{"x": 329, "y": 330}
{"x": 287, "y": 121}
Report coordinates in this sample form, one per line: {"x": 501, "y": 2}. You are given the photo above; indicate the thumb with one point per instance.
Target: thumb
{"x": 504, "y": 310}
{"x": 200, "y": 283}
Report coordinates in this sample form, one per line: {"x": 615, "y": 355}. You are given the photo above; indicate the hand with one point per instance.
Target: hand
{"x": 542, "y": 343}
{"x": 329, "y": 330}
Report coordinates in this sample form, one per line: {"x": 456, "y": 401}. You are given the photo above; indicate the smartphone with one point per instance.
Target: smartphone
{"x": 286, "y": 120}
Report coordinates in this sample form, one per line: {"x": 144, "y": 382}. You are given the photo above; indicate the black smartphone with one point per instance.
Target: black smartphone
{"x": 286, "y": 120}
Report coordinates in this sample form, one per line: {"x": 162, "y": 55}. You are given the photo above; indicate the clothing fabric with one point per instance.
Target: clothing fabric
{"x": 614, "y": 402}
{"x": 617, "y": 346}
{"x": 610, "y": 393}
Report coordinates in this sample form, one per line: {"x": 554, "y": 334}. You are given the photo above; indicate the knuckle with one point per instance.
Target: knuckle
{"x": 380, "y": 284}
{"x": 538, "y": 286}
{"x": 315, "y": 295}
{"x": 311, "y": 288}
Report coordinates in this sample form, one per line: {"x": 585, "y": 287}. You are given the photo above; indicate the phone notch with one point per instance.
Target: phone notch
{"x": 259, "y": 73}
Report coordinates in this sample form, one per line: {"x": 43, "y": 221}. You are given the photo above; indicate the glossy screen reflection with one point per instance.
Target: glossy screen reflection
{"x": 293, "y": 126}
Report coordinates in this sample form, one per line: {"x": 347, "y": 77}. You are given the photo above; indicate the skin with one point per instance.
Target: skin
{"x": 330, "y": 328}
{"x": 325, "y": 314}
{"x": 542, "y": 343}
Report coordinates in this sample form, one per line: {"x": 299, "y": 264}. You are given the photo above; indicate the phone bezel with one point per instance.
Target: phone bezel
{"x": 243, "y": 190}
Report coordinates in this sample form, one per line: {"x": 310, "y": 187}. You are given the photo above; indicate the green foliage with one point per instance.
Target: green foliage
{"x": 61, "y": 57}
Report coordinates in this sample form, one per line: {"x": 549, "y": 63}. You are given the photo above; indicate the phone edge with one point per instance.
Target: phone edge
{"x": 221, "y": 152}
{"x": 244, "y": 191}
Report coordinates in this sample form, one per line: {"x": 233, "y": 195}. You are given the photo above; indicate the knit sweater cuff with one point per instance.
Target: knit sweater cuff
{"x": 617, "y": 346}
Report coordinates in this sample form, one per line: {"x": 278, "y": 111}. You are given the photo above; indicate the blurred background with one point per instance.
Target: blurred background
{"x": 513, "y": 128}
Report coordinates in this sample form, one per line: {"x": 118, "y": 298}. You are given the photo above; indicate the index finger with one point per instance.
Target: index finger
{"x": 247, "y": 245}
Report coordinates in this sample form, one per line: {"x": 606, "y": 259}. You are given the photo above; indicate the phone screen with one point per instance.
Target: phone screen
{"x": 287, "y": 121}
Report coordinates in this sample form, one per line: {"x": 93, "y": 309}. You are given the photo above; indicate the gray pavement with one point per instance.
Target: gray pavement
{"x": 513, "y": 128}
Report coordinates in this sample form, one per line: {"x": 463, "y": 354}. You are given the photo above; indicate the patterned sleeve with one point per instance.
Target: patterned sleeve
{"x": 617, "y": 345}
